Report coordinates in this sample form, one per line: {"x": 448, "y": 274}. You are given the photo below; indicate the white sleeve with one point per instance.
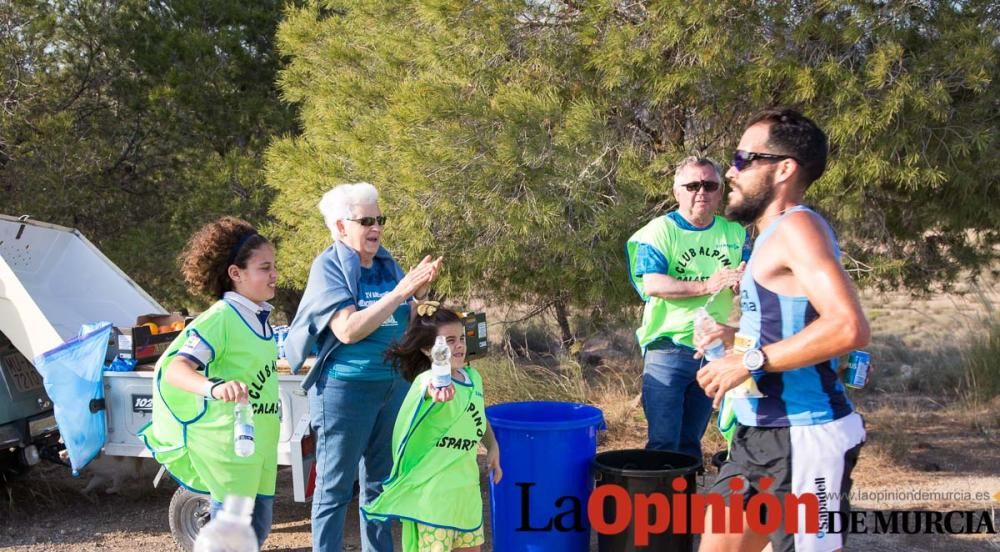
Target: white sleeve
{"x": 197, "y": 350}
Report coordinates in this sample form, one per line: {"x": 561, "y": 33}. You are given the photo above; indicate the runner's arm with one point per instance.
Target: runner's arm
{"x": 841, "y": 325}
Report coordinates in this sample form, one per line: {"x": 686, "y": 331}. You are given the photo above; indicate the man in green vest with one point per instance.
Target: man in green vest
{"x": 676, "y": 263}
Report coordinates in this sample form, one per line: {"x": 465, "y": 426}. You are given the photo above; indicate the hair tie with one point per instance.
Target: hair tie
{"x": 427, "y": 308}
{"x": 239, "y": 245}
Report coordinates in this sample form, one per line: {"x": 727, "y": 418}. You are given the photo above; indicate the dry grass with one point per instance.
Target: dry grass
{"x": 614, "y": 392}
{"x": 932, "y": 410}
{"x": 889, "y": 438}
{"x": 981, "y": 363}
{"x": 929, "y": 344}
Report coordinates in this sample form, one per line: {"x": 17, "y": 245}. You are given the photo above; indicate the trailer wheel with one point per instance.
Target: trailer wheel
{"x": 189, "y": 512}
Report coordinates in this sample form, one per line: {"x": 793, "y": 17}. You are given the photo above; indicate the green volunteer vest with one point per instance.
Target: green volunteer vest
{"x": 726, "y": 422}
{"x": 691, "y": 255}
{"x": 193, "y": 436}
{"x": 435, "y": 478}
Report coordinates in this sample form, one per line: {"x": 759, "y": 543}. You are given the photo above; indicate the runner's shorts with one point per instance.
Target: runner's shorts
{"x": 802, "y": 459}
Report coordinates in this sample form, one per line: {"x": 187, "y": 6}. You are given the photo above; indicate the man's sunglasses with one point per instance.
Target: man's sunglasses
{"x": 708, "y": 185}
{"x": 743, "y": 159}
{"x": 369, "y": 221}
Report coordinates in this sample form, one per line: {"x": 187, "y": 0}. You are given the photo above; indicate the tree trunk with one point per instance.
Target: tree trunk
{"x": 562, "y": 317}
{"x": 287, "y": 302}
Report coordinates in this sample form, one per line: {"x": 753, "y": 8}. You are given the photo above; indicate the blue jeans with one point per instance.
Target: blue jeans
{"x": 263, "y": 512}
{"x": 353, "y": 423}
{"x": 677, "y": 410}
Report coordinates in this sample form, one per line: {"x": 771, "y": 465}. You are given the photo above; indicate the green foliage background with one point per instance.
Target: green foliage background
{"x": 138, "y": 121}
{"x": 524, "y": 140}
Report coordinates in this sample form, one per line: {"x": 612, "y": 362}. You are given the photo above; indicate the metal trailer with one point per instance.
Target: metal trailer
{"x": 52, "y": 281}
{"x": 129, "y": 405}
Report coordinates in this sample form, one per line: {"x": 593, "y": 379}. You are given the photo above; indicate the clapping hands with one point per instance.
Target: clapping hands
{"x": 418, "y": 280}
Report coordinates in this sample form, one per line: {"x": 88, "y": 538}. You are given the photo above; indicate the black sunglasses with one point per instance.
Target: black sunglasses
{"x": 743, "y": 159}
{"x": 707, "y": 185}
{"x": 369, "y": 221}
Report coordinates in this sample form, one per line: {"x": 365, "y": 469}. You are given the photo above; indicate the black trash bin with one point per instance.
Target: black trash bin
{"x": 641, "y": 471}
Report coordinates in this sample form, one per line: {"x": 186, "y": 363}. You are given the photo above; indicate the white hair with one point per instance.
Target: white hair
{"x": 696, "y": 161}
{"x": 337, "y": 203}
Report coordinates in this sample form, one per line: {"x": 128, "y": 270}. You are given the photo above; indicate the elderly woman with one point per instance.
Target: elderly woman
{"x": 356, "y": 303}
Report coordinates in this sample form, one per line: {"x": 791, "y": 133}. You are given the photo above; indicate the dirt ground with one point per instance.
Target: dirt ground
{"x": 924, "y": 452}
{"x": 44, "y": 510}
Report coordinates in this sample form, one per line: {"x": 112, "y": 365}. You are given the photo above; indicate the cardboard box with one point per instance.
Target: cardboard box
{"x": 142, "y": 344}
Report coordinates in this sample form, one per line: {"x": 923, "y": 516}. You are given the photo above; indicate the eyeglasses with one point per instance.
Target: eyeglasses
{"x": 743, "y": 159}
{"x": 708, "y": 185}
{"x": 369, "y": 221}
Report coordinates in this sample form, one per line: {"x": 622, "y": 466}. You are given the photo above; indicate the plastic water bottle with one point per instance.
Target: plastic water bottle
{"x": 440, "y": 363}
{"x": 243, "y": 429}
{"x": 230, "y": 530}
{"x": 280, "y": 333}
{"x": 704, "y": 323}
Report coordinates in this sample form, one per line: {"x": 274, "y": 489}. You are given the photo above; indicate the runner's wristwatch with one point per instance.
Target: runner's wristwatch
{"x": 754, "y": 361}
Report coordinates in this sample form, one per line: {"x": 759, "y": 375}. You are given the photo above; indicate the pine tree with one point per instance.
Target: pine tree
{"x": 138, "y": 121}
{"x": 525, "y": 141}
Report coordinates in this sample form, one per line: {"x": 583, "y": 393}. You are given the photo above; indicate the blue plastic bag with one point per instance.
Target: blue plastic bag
{"x": 72, "y": 374}
{"x": 120, "y": 364}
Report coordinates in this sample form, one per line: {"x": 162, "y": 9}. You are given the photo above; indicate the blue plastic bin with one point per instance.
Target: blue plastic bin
{"x": 546, "y": 449}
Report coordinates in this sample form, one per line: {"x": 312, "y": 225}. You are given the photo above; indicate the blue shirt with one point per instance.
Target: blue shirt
{"x": 364, "y": 360}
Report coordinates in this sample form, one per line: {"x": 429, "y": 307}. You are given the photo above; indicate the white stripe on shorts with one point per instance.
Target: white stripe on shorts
{"x": 818, "y": 467}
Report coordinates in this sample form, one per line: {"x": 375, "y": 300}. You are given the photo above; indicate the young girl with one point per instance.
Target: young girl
{"x": 225, "y": 355}
{"x": 433, "y": 488}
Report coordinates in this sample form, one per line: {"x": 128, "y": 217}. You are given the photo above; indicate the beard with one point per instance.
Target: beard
{"x": 752, "y": 206}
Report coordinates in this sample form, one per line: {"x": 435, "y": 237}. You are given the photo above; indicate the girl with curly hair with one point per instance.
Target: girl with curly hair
{"x": 226, "y": 355}
{"x": 433, "y": 488}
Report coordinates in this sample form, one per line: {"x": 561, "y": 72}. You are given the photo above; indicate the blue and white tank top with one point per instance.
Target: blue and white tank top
{"x": 805, "y": 396}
